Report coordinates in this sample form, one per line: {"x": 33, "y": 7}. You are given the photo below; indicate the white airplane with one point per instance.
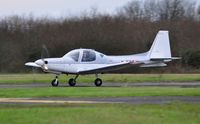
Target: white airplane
{"x": 89, "y": 61}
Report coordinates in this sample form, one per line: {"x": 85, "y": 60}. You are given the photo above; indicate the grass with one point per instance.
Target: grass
{"x": 97, "y": 92}
{"x": 179, "y": 113}
{"x": 131, "y": 78}
{"x": 174, "y": 113}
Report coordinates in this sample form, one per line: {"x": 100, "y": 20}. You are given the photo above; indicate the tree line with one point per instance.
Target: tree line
{"x": 130, "y": 30}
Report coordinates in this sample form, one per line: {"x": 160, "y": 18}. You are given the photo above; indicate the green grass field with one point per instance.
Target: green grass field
{"x": 174, "y": 113}
{"x": 97, "y": 92}
{"x": 131, "y": 78}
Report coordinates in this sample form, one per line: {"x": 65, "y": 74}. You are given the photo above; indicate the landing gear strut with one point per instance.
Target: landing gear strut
{"x": 98, "y": 81}
{"x": 55, "y": 82}
{"x": 72, "y": 81}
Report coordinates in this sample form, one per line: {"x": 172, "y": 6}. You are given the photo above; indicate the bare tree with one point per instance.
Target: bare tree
{"x": 176, "y": 10}
{"x": 198, "y": 13}
{"x": 190, "y": 10}
{"x": 151, "y": 10}
{"x": 171, "y": 10}
{"x": 130, "y": 31}
{"x": 133, "y": 10}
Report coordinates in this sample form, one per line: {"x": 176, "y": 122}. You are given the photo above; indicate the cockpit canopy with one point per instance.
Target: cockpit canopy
{"x": 85, "y": 55}
{"x": 74, "y": 54}
{"x": 88, "y": 56}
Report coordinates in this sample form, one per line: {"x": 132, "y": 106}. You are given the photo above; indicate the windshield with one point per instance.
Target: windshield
{"x": 74, "y": 55}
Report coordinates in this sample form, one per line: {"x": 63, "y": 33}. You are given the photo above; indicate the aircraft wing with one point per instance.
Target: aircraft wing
{"x": 100, "y": 68}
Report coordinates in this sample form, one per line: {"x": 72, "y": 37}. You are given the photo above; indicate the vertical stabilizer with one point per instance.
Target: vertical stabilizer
{"x": 160, "y": 48}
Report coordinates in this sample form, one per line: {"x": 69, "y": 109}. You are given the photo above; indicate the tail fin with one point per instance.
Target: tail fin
{"x": 160, "y": 48}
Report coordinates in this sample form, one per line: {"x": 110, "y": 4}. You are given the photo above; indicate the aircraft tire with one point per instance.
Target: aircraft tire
{"x": 55, "y": 82}
{"x": 72, "y": 82}
{"x": 98, "y": 82}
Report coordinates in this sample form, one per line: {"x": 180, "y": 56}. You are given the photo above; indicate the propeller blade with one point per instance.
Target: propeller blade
{"x": 44, "y": 52}
{"x": 45, "y": 67}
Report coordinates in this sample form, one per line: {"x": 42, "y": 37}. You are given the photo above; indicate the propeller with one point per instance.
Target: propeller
{"x": 39, "y": 63}
{"x": 44, "y": 54}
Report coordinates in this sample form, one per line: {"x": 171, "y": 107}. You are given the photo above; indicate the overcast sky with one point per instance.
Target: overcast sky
{"x": 56, "y": 8}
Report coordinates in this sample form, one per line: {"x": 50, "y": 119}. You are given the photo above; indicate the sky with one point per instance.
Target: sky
{"x": 57, "y": 8}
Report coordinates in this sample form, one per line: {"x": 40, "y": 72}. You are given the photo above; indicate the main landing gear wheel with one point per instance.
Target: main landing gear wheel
{"x": 55, "y": 82}
{"x": 72, "y": 82}
{"x": 98, "y": 82}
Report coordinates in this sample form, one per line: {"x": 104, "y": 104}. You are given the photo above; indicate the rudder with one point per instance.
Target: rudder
{"x": 160, "y": 48}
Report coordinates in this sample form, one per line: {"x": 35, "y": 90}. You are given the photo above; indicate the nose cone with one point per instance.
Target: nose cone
{"x": 39, "y": 62}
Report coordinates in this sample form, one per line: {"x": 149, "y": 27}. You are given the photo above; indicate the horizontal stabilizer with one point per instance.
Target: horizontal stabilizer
{"x": 176, "y": 58}
{"x": 154, "y": 65}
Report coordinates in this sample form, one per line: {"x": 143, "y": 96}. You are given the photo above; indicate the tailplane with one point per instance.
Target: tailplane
{"x": 160, "y": 49}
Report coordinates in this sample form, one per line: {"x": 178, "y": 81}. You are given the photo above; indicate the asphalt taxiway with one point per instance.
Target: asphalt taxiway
{"x": 128, "y": 100}
{"x": 145, "y": 84}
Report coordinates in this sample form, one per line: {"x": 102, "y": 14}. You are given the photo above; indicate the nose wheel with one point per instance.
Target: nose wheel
{"x": 55, "y": 82}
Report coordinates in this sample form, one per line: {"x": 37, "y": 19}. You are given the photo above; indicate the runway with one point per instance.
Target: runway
{"x": 99, "y": 100}
{"x": 128, "y": 100}
{"x": 106, "y": 84}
